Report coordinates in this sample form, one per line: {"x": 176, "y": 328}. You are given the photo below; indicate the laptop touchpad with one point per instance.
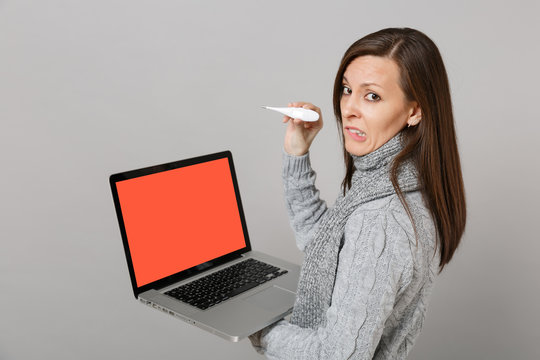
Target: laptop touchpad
{"x": 272, "y": 298}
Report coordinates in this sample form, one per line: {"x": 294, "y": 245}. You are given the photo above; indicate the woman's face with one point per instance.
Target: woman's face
{"x": 373, "y": 106}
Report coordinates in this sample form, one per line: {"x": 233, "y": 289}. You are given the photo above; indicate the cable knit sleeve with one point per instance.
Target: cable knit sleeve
{"x": 304, "y": 206}
{"x": 372, "y": 265}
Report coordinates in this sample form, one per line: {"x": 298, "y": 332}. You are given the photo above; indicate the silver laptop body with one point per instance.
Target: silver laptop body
{"x": 232, "y": 319}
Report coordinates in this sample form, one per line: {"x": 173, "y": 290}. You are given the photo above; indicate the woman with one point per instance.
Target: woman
{"x": 370, "y": 261}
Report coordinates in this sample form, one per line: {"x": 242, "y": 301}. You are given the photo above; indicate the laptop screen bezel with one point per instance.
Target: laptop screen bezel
{"x": 184, "y": 274}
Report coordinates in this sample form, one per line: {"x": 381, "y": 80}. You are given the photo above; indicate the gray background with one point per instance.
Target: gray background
{"x": 89, "y": 88}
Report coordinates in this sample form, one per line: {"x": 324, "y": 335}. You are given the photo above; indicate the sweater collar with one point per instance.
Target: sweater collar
{"x": 381, "y": 156}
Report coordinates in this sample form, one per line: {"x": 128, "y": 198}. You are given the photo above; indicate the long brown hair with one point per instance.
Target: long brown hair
{"x": 431, "y": 144}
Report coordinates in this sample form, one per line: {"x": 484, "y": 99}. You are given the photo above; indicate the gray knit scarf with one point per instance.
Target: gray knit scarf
{"x": 370, "y": 181}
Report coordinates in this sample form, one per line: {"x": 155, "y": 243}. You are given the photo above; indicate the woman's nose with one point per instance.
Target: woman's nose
{"x": 349, "y": 107}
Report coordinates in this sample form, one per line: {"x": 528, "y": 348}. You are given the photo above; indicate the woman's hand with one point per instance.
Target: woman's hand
{"x": 256, "y": 341}
{"x": 300, "y": 134}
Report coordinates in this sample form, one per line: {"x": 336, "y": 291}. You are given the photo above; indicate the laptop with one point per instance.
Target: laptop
{"x": 188, "y": 251}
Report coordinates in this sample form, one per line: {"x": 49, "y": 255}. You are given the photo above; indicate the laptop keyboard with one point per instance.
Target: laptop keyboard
{"x": 227, "y": 283}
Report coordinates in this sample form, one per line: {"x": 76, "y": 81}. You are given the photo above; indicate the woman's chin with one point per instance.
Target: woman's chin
{"x": 357, "y": 149}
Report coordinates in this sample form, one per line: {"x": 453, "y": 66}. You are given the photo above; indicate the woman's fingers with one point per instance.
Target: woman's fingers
{"x": 298, "y": 104}
{"x": 305, "y": 105}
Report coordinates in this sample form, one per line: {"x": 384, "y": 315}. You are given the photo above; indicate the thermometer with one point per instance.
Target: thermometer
{"x": 296, "y": 113}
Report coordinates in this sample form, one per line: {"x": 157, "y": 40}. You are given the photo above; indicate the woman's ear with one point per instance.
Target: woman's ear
{"x": 415, "y": 114}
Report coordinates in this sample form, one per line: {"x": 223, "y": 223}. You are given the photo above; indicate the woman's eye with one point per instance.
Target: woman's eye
{"x": 346, "y": 90}
{"x": 373, "y": 97}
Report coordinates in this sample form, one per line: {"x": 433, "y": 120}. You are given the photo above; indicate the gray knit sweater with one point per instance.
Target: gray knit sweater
{"x": 383, "y": 278}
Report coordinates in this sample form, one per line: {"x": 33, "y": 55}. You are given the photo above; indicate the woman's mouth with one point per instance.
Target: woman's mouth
{"x": 355, "y": 133}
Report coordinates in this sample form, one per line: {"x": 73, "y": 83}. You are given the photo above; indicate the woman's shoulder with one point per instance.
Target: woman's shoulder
{"x": 392, "y": 202}
{"x": 387, "y": 218}
{"x": 391, "y": 206}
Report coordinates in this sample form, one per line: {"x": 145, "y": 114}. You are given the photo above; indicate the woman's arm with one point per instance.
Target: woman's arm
{"x": 302, "y": 198}
{"x": 366, "y": 286}
{"x": 304, "y": 206}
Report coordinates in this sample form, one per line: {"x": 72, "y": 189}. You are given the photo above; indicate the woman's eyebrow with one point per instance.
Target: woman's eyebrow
{"x": 369, "y": 83}
{"x": 365, "y": 84}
